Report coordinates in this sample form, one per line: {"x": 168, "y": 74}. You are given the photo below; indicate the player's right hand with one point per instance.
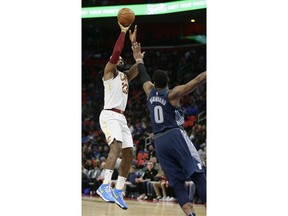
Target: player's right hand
{"x": 124, "y": 29}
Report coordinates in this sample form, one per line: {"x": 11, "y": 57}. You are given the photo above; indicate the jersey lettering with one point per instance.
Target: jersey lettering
{"x": 125, "y": 87}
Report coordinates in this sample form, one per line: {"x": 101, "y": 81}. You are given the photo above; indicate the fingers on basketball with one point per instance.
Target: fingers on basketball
{"x": 126, "y": 17}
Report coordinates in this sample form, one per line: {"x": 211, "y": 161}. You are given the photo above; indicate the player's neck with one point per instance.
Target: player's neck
{"x": 159, "y": 89}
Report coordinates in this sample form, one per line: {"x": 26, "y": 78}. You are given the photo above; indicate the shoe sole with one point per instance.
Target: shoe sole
{"x": 125, "y": 208}
{"x": 104, "y": 198}
{"x": 121, "y": 206}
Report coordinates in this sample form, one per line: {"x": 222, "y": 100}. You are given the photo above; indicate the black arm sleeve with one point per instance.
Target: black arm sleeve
{"x": 144, "y": 77}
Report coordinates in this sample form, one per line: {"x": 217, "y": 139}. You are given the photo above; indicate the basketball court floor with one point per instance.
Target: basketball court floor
{"x": 95, "y": 206}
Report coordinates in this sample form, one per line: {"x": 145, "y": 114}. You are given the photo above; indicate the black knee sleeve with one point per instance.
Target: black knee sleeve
{"x": 199, "y": 180}
{"x": 181, "y": 193}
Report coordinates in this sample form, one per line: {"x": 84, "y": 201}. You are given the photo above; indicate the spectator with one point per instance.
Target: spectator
{"x": 130, "y": 186}
{"x": 85, "y": 180}
{"x": 144, "y": 183}
{"x": 202, "y": 153}
{"x": 151, "y": 151}
{"x": 160, "y": 184}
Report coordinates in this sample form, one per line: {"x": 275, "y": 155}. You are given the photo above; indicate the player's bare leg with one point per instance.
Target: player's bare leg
{"x": 124, "y": 168}
{"x": 105, "y": 190}
{"x": 114, "y": 152}
{"x": 127, "y": 157}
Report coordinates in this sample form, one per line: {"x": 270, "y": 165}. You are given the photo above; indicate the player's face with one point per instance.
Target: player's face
{"x": 120, "y": 63}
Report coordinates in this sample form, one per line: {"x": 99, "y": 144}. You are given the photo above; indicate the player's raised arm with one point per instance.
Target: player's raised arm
{"x": 144, "y": 77}
{"x": 181, "y": 90}
{"x": 111, "y": 65}
{"x": 133, "y": 71}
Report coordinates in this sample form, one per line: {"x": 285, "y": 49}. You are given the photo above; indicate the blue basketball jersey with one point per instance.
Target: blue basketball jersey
{"x": 162, "y": 114}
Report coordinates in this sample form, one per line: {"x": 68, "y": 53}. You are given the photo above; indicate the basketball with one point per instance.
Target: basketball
{"x": 126, "y": 16}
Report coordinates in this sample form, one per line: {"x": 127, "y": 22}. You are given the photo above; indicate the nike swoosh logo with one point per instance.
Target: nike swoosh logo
{"x": 115, "y": 195}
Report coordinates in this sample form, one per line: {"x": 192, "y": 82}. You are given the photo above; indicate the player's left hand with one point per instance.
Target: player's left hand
{"x": 136, "y": 47}
{"x": 133, "y": 35}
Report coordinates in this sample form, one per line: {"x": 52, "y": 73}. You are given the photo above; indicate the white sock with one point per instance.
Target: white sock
{"x": 120, "y": 183}
{"x": 108, "y": 176}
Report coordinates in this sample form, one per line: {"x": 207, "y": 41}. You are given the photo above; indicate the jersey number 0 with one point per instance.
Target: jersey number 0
{"x": 158, "y": 114}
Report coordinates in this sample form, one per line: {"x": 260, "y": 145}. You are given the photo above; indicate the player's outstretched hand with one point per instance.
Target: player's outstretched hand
{"x": 133, "y": 35}
{"x": 136, "y": 47}
{"x": 124, "y": 29}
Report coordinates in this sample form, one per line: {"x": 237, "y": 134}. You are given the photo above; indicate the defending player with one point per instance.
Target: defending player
{"x": 175, "y": 151}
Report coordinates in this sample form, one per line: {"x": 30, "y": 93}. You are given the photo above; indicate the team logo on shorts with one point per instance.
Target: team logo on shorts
{"x": 199, "y": 166}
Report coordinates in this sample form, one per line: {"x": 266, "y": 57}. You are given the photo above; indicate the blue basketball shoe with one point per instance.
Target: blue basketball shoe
{"x": 104, "y": 191}
{"x": 117, "y": 194}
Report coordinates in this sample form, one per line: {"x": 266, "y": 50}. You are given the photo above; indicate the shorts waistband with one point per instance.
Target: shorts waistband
{"x": 116, "y": 110}
{"x": 161, "y": 133}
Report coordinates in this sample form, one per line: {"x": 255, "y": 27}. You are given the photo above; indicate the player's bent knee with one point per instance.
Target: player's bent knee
{"x": 115, "y": 148}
